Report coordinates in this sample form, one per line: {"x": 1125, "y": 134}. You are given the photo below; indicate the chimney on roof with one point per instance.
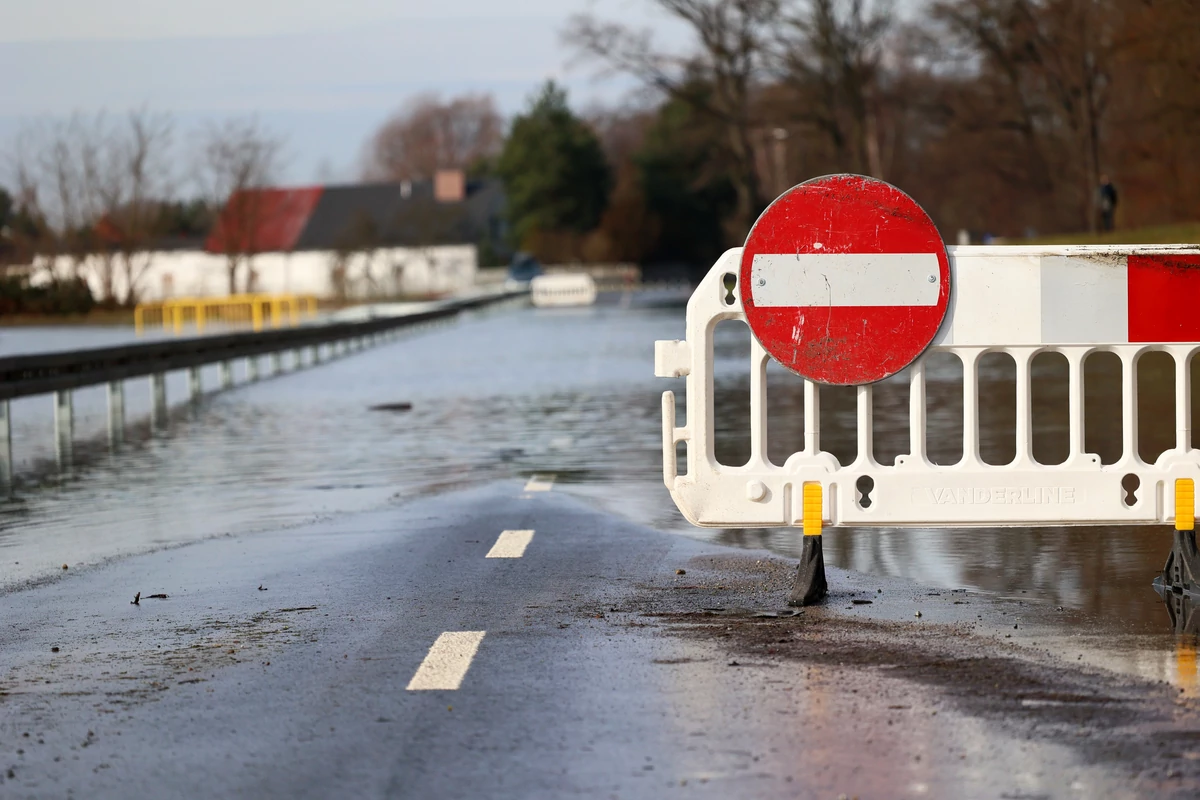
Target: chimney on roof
{"x": 449, "y": 186}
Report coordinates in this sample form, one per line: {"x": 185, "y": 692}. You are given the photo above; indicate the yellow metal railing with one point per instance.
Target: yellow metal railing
{"x": 254, "y": 310}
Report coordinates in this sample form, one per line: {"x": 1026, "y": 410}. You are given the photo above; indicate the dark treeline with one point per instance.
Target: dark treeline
{"x": 998, "y": 116}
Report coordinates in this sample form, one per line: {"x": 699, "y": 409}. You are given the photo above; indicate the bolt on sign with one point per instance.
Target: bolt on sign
{"x": 845, "y": 280}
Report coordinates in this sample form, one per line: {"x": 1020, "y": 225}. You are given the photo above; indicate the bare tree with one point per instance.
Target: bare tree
{"x": 57, "y": 165}
{"x": 134, "y": 180}
{"x": 235, "y": 160}
{"x": 99, "y": 187}
{"x": 830, "y": 53}
{"x": 360, "y": 239}
{"x": 1050, "y": 62}
{"x": 717, "y": 79}
{"x": 427, "y": 135}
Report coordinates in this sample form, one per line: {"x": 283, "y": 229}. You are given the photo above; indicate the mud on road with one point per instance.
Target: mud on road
{"x": 870, "y": 673}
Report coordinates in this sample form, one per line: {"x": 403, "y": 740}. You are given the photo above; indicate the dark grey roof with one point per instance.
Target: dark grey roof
{"x": 399, "y": 215}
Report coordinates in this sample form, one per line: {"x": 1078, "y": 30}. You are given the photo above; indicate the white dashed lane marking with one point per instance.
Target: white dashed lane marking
{"x": 540, "y": 483}
{"x": 511, "y": 544}
{"x": 447, "y": 662}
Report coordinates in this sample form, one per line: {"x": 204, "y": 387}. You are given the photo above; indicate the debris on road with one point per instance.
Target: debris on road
{"x": 392, "y": 407}
{"x": 137, "y": 600}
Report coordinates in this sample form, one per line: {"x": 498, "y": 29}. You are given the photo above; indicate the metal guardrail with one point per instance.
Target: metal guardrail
{"x": 61, "y": 373}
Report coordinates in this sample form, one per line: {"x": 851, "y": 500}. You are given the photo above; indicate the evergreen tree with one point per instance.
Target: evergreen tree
{"x": 554, "y": 170}
{"x": 686, "y": 185}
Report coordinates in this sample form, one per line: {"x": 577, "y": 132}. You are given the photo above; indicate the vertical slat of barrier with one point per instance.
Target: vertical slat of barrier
{"x": 812, "y": 418}
{"x": 6, "y": 462}
{"x": 916, "y": 412}
{"x": 866, "y": 446}
{"x": 758, "y": 403}
{"x": 1183, "y": 399}
{"x": 1129, "y": 437}
{"x": 225, "y": 370}
{"x": 1022, "y": 360}
{"x": 1075, "y": 402}
{"x": 252, "y": 368}
{"x": 970, "y": 364}
{"x": 670, "y": 464}
{"x": 700, "y": 386}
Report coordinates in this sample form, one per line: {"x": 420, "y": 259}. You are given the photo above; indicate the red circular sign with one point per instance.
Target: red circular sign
{"x": 845, "y": 280}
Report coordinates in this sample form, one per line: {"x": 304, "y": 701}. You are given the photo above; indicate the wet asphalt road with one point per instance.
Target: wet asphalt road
{"x": 601, "y": 672}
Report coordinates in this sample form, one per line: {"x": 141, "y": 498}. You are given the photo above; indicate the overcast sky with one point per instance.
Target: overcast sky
{"x": 324, "y": 73}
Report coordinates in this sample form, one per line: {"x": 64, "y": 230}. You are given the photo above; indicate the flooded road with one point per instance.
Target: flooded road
{"x": 507, "y": 393}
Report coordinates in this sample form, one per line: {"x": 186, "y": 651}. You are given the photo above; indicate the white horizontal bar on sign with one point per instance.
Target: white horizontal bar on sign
{"x": 845, "y": 279}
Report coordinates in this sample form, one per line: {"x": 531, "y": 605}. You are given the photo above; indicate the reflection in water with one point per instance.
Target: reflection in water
{"x": 571, "y": 391}
{"x": 1185, "y": 664}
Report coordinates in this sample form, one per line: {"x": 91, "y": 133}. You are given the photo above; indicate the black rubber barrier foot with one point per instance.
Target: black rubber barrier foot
{"x": 810, "y": 586}
{"x": 1181, "y": 573}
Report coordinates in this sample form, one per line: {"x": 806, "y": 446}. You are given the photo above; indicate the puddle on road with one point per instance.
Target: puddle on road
{"x": 505, "y": 394}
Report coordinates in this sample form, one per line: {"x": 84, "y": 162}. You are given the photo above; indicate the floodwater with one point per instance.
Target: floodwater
{"x": 506, "y": 393}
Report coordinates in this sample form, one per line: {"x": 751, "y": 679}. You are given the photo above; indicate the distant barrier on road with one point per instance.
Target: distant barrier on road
{"x": 255, "y": 311}
{"x": 59, "y": 373}
{"x": 563, "y": 289}
{"x": 1133, "y": 306}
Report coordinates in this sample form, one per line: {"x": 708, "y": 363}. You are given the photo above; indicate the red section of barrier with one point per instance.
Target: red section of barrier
{"x": 1164, "y": 298}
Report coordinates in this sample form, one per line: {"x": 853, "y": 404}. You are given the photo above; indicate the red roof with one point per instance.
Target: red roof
{"x": 262, "y": 220}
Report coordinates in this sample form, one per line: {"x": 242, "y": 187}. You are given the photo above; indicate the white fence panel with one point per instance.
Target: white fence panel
{"x": 1076, "y": 301}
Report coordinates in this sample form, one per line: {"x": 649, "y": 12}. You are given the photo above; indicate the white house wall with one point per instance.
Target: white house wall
{"x": 385, "y": 273}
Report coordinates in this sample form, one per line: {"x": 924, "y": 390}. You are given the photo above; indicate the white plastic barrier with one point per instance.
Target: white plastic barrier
{"x": 563, "y": 289}
{"x": 1016, "y": 300}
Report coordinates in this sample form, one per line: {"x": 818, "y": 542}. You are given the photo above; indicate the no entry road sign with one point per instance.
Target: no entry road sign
{"x": 845, "y": 280}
